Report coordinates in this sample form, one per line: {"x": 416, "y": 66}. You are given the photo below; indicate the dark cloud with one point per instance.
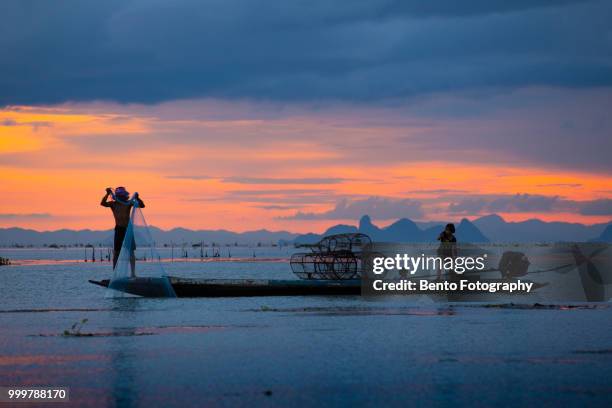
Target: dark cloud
{"x": 526, "y": 203}
{"x": 150, "y": 51}
{"x": 504, "y": 203}
{"x": 276, "y": 192}
{"x": 596, "y": 207}
{"x": 277, "y": 207}
{"x": 270, "y": 180}
{"x": 290, "y": 197}
{"x": 11, "y": 216}
{"x": 293, "y": 197}
{"x": 569, "y": 185}
{"x": 437, "y": 191}
{"x": 377, "y": 207}
{"x": 34, "y": 124}
{"x": 263, "y": 180}
{"x": 190, "y": 177}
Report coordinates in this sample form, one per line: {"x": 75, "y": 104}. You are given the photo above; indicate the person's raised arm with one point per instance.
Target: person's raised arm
{"x": 141, "y": 203}
{"x": 104, "y": 202}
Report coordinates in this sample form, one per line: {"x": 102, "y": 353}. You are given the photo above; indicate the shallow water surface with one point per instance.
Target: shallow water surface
{"x": 325, "y": 351}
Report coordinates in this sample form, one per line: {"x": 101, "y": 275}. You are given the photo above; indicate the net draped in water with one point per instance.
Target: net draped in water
{"x": 139, "y": 262}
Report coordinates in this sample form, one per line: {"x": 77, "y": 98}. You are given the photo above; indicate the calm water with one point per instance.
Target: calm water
{"x": 323, "y": 351}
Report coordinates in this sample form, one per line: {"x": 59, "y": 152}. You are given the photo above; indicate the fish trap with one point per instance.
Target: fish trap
{"x": 335, "y": 257}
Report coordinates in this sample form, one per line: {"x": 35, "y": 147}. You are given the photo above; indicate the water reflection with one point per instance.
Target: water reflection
{"x": 122, "y": 353}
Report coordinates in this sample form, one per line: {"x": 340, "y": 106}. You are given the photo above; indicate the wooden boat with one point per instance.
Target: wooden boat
{"x": 184, "y": 287}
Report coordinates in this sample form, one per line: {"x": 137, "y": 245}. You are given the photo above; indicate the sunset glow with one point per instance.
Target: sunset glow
{"x": 247, "y": 170}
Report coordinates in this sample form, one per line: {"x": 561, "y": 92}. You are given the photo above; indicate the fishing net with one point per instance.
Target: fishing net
{"x": 335, "y": 257}
{"x": 139, "y": 270}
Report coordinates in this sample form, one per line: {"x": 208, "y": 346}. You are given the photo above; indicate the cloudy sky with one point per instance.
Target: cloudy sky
{"x": 300, "y": 114}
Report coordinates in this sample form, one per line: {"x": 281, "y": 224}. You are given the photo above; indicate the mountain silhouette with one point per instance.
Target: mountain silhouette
{"x": 468, "y": 232}
{"x": 534, "y": 230}
{"x": 340, "y": 229}
{"x": 606, "y": 235}
{"x": 491, "y": 227}
{"x": 310, "y": 238}
{"x": 21, "y": 236}
{"x": 402, "y": 230}
{"x": 366, "y": 226}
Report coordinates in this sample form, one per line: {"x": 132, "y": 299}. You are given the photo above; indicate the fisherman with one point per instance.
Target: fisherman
{"x": 448, "y": 245}
{"x": 121, "y": 206}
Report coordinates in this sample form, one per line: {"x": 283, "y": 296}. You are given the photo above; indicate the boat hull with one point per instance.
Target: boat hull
{"x": 191, "y": 288}
{"x": 184, "y": 287}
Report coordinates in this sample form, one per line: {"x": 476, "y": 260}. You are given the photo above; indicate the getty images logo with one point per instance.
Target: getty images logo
{"x": 413, "y": 264}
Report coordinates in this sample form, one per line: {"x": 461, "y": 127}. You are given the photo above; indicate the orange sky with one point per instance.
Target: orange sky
{"x": 197, "y": 167}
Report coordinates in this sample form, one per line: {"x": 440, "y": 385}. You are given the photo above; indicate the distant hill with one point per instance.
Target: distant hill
{"x": 468, "y": 232}
{"x": 403, "y": 230}
{"x": 485, "y": 229}
{"x": 20, "y": 236}
{"x": 606, "y": 235}
{"x": 498, "y": 230}
{"x": 489, "y": 228}
{"x": 340, "y": 229}
{"x": 312, "y": 238}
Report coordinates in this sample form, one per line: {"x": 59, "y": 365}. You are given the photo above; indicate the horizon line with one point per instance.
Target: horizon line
{"x": 394, "y": 220}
